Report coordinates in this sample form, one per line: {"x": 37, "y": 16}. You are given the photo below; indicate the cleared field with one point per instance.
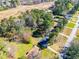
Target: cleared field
{"x": 67, "y": 31}
{"x": 59, "y": 43}
{"x": 70, "y": 25}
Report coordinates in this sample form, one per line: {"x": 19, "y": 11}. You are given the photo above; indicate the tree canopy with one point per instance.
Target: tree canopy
{"x": 73, "y": 51}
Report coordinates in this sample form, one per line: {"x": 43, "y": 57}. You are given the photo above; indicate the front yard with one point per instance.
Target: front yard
{"x": 47, "y": 54}
{"x": 66, "y": 31}
{"x": 16, "y": 49}
{"x": 61, "y": 40}
{"x": 70, "y": 25}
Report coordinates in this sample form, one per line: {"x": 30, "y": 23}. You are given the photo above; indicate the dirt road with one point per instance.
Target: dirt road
{"x": 16, "y": 11}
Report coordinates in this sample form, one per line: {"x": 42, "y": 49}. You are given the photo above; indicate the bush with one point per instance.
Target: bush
{"x": 36, "y": 33}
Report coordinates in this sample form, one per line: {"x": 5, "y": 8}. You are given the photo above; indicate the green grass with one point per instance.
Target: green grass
{"x": 3, "y": 56}
{"x": 47, "y": 54}
{"x": 70, "y": 25}
{"x": 22, "y": 49}
{"x": 3, "y": 8}
{"x": 76, "y": 39}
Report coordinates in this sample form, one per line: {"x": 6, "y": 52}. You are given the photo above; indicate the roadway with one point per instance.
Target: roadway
{"x": 22, "y": 8}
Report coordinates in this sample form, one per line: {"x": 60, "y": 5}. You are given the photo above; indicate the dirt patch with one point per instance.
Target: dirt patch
{"x": 59, "y": 43}
{"x": 66, "y": 31}
{"x": 11, "y": 51}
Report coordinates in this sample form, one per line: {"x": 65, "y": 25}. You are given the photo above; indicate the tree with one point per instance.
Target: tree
{"x": 39, "y": 20}
{"x": 3, "y": 27}
{"x": 62, "y": 6}
{"x": 3, "y": 51}
{"x": 13, "y": 3}
{"x": 73, "y": 51}
{"x": 7, "y": 26}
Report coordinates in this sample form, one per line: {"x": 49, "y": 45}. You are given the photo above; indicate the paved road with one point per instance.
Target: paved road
{"x": 73, "y": 33}
{"x": 16, "y": 11}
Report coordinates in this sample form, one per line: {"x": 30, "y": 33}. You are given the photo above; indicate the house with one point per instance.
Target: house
{"x": 8, "y": 3}
{"x": 4, "y": 3}
{"x": 75, "y": 1}
{"x": 25, "y": 2}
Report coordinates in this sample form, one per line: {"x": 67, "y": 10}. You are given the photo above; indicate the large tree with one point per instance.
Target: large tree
{"x": 39, "y": 20}
{"x": 62, "y": 6}
{"x": 73, "y": 51}
{"x": 14, "y": 3}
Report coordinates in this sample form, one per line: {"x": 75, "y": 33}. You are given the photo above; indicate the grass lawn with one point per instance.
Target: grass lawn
{"x": 1, "y": 39}
{"x": 2, "y": 8}
{"x": 47, "y": 54}
{"x": 2, "y": 56}
{"x": 34, "y": 41}
{"x": 70, "y": 25}
{"x": 76, "y": 38}
{"x": 20, "y": 49}
{"x": 74, "y": 19}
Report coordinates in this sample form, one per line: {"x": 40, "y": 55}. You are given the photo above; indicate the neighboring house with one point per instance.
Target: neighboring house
{"x": 24, "y": 2}
{"x": 4, "y": 3}
{"x": 8, "y": 3}
{"x": 75, "y": 1}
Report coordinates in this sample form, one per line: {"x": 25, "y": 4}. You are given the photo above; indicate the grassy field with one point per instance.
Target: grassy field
{"x": 20, "y": 49}
{"x": 70, "y": 25}
{"x": 47, "y": 54}
{"x": 74, "y": 19}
